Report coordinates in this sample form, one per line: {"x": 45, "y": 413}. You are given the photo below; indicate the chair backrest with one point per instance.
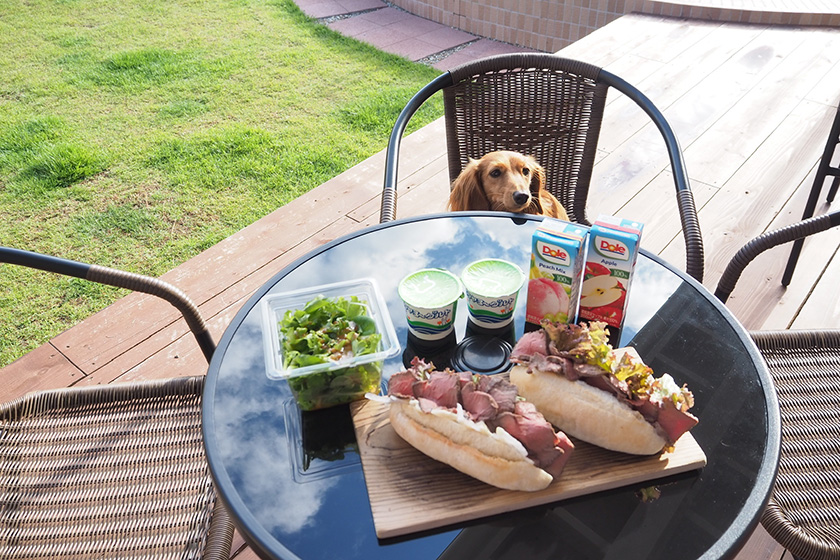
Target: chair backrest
{"x": 545, "y": 106}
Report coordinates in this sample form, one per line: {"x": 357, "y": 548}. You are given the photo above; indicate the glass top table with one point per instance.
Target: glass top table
{"x": 294, "y": 484}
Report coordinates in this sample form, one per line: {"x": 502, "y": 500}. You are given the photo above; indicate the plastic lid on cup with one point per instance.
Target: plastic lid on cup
{"x": 430, "y": 288}
{"x": 493, "y": 278}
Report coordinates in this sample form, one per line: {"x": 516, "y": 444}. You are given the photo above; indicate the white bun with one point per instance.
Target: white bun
{"x": 588, "y": 413}
{"x": 473, "y": 450}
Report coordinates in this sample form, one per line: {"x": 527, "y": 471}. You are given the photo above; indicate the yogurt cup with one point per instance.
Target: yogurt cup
{"x": 430, "y": 296}
{"x": 492, "y": 287}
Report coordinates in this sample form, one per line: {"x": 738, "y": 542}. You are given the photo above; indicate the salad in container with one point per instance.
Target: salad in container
{"x": 328, "y": 342}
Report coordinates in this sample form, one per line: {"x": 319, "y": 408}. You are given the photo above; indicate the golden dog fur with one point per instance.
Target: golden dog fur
{"x": 504, "y": 181}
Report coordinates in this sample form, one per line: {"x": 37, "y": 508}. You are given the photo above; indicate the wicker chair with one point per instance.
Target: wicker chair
{"x": 548, "y": 107}
{"x": 804, "y": 511}
{"x": 114, "y": 471}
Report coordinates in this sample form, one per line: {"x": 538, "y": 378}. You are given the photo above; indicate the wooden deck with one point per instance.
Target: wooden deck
{"x": 751, "y": 106}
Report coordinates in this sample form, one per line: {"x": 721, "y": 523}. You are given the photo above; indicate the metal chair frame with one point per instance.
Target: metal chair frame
{"x": 824, "y": 169}
{"x": 549, "y": 107}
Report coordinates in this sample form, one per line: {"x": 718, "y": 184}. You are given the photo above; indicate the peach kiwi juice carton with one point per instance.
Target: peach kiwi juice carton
{"x": 611, "y": 257}
{"x": 554, "y": 278}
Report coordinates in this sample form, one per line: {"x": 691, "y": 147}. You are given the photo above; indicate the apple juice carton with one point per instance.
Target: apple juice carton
{"x": 557, "y": 259}
{"x": 611, "y": 257}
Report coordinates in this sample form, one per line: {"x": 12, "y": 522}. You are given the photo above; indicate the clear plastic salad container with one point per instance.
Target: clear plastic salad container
{"x": 328, "y": 341}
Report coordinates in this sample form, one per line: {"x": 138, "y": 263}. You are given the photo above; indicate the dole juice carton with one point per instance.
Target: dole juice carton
{"x": 611, "y": 257}
{"x": 557, "y": 259}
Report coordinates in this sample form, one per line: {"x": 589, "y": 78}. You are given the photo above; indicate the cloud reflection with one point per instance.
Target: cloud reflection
{"x": 251, "y": 433}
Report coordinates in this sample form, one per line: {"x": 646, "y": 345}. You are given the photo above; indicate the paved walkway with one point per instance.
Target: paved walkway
{"x": 397, "y": 31}
{"x": 392, "y": 29}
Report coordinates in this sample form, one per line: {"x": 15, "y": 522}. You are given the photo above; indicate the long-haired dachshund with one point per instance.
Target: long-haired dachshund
{"x": 505, "y": 181}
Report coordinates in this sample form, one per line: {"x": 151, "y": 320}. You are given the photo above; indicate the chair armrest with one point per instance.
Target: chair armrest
{"x": 120, "y": 279}
{"x": 388, "y": 209}
{"x": 766, "y": 241}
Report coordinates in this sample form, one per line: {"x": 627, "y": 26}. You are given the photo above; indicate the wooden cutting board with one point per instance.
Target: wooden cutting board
{"x": 411, "y": 492}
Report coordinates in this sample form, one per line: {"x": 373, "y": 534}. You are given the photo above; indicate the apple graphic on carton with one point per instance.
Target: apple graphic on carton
{"x": 547, "y": 300}
{"x": 604, "y": 297}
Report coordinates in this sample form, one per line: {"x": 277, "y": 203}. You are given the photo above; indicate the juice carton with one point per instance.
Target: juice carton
{"x": 610, "y": 259}
{"x": 557, "y": 259}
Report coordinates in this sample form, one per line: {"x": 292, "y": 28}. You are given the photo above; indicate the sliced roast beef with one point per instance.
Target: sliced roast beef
{"x": 427, "y": 405}
{"x": 675, "y": 422}
{"x": 490, "y": 399}
{"x": 479, "y": 405}
{"x": 402, "y": 384}
{"x": 442, "y": 387}
{"x": 549, "y": 364}
{"x": 534, "y": 342}
{"x": 588, "y": 370}
{"x": 502, "y": 391}
{"x": 646, "y": 407}
{"x": 610, "y": 384}
{"x": 548, "y": 449}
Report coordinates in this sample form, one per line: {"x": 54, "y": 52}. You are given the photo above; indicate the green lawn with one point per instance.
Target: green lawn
{"x": 136, "y": 134}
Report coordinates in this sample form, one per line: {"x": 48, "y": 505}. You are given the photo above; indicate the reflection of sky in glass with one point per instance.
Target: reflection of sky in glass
{"x": 247, "y": 452}
{"x": 649, "y": 287}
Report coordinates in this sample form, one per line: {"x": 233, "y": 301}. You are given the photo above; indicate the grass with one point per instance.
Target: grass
{"x": 137, "y": 134}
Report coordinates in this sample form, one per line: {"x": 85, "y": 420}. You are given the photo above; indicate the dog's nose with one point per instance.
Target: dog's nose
{"x": 521, "y": 198}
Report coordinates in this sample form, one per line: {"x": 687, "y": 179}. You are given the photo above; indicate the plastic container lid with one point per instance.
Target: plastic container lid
{"x": 482, "y": 354}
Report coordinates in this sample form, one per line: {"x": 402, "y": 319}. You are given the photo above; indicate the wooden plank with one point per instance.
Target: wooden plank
{"x": 759, "y": 301}
{"x": 663, "y": 227}
{"x": 401, "y": 479}
{"x": 822, "y": 308}
{"x": 672, "y": 82}
{"x": 630, "y": 166}
{"x": 723, "y": 148}
{"x": 42, "y": 368}
{"x": 745, "y": 206}
{"x": 761, "y": 546}
{"x": 633, "y": 33}
{"x": 421, "y": 153}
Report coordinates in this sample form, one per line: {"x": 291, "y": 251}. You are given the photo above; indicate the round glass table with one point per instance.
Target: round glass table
{"x": 293, "y": 480}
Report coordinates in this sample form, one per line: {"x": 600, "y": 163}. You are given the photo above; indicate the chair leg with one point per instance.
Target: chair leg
{"x": 833, "y": 191}
{"x": 823, "y": 170}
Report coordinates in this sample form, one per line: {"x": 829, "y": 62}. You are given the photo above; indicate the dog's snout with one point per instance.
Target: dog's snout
{"x": 521, "y": 198}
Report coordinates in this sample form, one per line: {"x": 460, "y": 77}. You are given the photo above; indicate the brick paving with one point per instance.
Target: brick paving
{"x": 395, "y": 30}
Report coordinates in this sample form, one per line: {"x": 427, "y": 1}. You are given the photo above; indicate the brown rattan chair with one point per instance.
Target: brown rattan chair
{"x": 803, "y": 514}
{"x": 548, "y": 107}
{"x": 114, "y": 471}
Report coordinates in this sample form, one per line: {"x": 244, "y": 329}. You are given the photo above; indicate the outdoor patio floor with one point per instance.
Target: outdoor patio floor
{"x": 750, "y": 104}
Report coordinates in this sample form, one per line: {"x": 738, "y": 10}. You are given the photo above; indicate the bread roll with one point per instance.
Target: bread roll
{"x": 588, "y": 413}
{"x": 494, "y": 458}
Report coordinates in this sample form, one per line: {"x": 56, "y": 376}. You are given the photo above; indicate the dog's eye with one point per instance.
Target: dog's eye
{"x": 526, "y": 171}
{"x": 496, "y": 173}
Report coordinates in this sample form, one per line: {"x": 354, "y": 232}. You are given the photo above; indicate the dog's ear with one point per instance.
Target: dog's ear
{"x": 467, "y": 191}
{"x": 537, "y": 183}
